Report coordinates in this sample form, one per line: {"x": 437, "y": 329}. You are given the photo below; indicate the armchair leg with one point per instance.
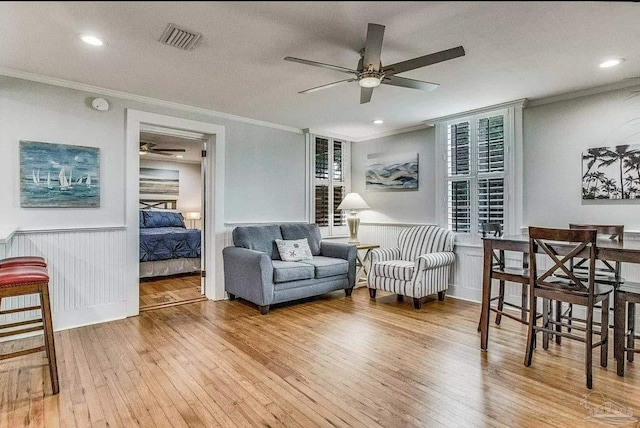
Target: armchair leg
{"x": 348, "y": 291}
{"x": 400, "y": 298}
{"x": 232, "y": 296}
{"x": 372, "y": 293}
{"x": 417, "y": 302}
{"x": 264, "y": 310}
{"x": 440, "y": 296}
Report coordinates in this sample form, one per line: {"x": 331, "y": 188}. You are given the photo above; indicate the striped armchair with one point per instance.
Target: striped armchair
{"x": 418, "y": 267}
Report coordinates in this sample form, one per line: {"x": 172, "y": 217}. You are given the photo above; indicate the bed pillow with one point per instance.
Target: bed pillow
{"x": 163, "y": 219}
{"x": 294, "y": 250}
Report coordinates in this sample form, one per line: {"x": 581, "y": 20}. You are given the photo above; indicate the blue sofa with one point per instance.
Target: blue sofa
{"x": 254, "y": 271}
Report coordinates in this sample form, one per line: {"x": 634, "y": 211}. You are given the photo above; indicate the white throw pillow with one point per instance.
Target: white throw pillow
{"x": 294, "y": 250}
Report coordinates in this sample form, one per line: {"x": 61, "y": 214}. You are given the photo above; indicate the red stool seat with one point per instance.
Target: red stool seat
{"x": 22, "y": 261}
{"x": 20, "y": 275}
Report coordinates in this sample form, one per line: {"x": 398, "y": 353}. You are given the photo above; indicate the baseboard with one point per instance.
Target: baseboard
{"x": 89, "y": 316}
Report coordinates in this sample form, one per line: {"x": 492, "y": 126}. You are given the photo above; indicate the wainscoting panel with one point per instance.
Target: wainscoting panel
{"x": 86, "y": 267}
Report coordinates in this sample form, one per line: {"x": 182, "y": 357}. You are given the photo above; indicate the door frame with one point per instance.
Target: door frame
{"x": 213, "y": 215}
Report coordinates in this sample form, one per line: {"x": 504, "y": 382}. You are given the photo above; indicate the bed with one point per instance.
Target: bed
{"x": 167, "y": 247}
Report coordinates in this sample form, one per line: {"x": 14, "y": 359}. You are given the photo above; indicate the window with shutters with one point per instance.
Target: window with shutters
{"x": 330, "y": 182}
{"x": 477, "y": 154}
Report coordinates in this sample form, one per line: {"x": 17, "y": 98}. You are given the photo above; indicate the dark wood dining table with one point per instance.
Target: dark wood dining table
{"x": 610, "y": 250}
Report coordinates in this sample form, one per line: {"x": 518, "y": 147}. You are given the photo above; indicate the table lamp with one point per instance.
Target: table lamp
{"x": 192, "y": 216}
{"x": 353, "y": 202}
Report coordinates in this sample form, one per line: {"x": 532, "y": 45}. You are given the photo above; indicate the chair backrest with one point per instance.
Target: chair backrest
{"x": 614, "y": 232}
{"x": 418, "y": 240}
{"x": 495, "y": 228}
{"x": 543, "y": 239}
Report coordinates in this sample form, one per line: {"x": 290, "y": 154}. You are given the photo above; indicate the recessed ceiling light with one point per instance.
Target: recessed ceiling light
{"x": 378, "y": 121}
{"x": 179, "y": 156}
{"x": 611, "y": 62}
{"x": 92, "y": 40}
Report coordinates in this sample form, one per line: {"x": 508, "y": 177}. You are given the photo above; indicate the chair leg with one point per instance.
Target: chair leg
{"x": 558, "y": 318}
{"x": 417, "y": 302}
{"x": 348, "y": 291}
{"x": 604, "y": 333}
{"x": 531, "y": 331}
{"x": 545, "y": 323}
{"x": 524, "y": 303}
{"x": 372, "y": 293}
{"x": 569, "y": 321}
{"x": 500, "y": 303}
{"x": 441, "y": 296}
{"x": 232, "y": 296}
{"x": 50, "y": 346}
{"x": 399, "y": 298}
{"x": 632, "y": 330}
{"x": 264, "y": 310}
{"x": 589, "y": 348}
{"x": 620, "y": 306}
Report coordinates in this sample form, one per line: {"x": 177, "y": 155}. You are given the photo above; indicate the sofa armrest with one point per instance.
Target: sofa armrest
{"x": 435, "y": 260}
{"x": 248, "y": 274}
{"x": 339, "y": 250}
{"x": 384, "y": 254}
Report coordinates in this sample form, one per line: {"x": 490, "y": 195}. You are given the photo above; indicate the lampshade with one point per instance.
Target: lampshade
{"x": 193, "y": 215}
{"x": 352, "y": 202}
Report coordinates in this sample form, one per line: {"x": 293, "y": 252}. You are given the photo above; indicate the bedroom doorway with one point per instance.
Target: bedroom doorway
{"x": 172, "y": 203}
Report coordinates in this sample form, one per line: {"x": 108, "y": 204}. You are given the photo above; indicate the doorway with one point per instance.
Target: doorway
{"x": 173, "y": 199}
{"x": 212, "y": 234}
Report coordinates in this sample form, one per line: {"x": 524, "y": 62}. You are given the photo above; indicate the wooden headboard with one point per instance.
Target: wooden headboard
{"x": 170, "y": 204}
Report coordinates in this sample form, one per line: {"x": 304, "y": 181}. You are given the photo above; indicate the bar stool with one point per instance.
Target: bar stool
{"x": 20, "y": 281}
{"x": 22, "y": 261}
{"x": 626, "y": 298}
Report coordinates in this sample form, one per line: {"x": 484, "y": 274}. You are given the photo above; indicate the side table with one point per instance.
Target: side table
{"x": 361, "y": 262}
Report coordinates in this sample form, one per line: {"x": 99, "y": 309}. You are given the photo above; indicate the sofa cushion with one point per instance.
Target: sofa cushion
{"x": 291, "y": 271}
{"x": 302, "y": 230}
{"x": 259, "y": 238}
{"x": 396, "y": 269}
{"x": 327, "y": 266}
{"x": 294, "y": 250}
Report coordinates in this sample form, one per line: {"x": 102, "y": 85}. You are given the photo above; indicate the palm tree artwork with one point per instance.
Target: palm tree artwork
{"x": 611, "y": 172}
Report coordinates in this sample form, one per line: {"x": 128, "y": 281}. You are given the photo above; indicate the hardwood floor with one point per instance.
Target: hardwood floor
{"x": 331, "y": 361}
{"x": 169, "y": 291}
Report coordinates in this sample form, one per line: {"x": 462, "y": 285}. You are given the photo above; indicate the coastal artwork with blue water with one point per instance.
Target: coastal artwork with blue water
{"x": 59, "y": 176}
{"x": 392, "y": 171}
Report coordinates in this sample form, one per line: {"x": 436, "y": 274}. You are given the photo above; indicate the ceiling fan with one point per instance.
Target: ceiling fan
{"x": 148, "y": 147}
{"x": 370, "y": 73}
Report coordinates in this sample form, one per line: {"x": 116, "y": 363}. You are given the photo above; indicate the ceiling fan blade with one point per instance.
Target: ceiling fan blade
{"x": 423, "y": 61}
{"x": 168, "y": 150}
{"x": 409, "y": 83}
{"x": 328, "y": 85}
{"x": 373, "y": 47}
{"x": 321, "y": 65}
{"x": 365, "y": 95}
{"x": 155, "y": 152}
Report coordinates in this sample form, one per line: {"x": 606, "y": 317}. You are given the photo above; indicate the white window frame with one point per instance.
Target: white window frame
{"x": 512, "y": 174}
{"x": 331, "y": 230}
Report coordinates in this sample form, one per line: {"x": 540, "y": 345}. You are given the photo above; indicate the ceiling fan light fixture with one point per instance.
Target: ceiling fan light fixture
{"x": 370, "y": 80}
{"x": 142, "y": 152}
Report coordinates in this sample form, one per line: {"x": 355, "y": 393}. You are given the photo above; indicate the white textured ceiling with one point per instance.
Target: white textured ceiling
{"x": 513, "y": 50}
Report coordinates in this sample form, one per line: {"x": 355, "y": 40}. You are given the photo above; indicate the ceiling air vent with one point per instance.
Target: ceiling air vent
{"x": 179, "y": 37}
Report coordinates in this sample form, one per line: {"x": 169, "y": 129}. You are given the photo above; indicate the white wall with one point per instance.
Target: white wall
{"x": 264, "y": 181}
{"x": 190, "y": 182}
{"x": 555, "y": 135}
{"x": 410, "y": 206}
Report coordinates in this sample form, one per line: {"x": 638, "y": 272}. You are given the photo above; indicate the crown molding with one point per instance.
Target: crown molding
{"x": 139, "y": 98}
{"x": 627, "y": 83}
{"x": 393, "y": 132}
{"x": 321, "y": 133}
{"x": 521, "y": 103}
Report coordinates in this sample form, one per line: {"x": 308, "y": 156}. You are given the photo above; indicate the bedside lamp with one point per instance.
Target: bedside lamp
{"x": 192, "y": 216}
{"x": 353, "y": 202}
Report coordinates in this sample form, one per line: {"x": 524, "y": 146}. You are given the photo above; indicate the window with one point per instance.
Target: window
{"x": 330, "y": 183}
{"x": 478, "y": 183}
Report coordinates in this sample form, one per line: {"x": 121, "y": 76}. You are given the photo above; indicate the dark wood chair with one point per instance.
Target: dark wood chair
{"x": 567, "y": 288}
{"x": 626, "y": 298}
{"x": 20, "y": 281}
{"x": 503, "y": 274}
{"x": 605, "y": 272}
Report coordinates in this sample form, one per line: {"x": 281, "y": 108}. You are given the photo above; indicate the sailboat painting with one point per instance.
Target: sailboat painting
{"x": 59, "y": 176}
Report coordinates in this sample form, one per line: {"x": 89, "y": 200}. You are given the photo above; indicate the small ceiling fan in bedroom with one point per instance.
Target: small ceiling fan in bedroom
{"x": 370, "y": 73}
{"x": 149, "y": 147}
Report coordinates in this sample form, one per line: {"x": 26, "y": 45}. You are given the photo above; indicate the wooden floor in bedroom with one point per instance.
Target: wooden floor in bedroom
{"x": 330, "y": 361}
{"x": 156, "y": 293}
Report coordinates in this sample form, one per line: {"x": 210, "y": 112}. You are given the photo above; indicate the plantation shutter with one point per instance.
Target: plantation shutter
{"x": 458, "y": 169}
{"x": 330, "y": 182}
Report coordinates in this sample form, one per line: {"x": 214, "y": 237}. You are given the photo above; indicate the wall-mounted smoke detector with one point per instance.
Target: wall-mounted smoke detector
{"x": 179, "y": 37}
